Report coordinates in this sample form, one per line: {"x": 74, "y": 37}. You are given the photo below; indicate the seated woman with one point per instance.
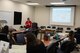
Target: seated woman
{"x": 46, "y": 40}
{"x": 34, "y": 45}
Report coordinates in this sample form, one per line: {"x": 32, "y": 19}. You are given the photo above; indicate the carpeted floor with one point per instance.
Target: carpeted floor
{"x": 18, "y": 49}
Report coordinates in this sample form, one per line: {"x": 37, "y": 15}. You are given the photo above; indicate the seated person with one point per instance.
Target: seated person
{"x": 70, "y": 37}
{"x": 56, "y": 36}
{"x": 5, "y": 30}
{"x": 69, "y": 42}
{"x": 34, "y": 45}
{"x": 28, "y": 23}
{"x": 46, "y": 40}
{"x": 34, "y": 29}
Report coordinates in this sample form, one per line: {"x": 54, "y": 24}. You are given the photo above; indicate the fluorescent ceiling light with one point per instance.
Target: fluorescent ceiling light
{"x": 32, "y": 3}
{"x": 57, "y": 3}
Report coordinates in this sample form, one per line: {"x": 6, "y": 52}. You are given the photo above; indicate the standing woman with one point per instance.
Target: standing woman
{"x": 28, "y": 23}
{"x": 34, "y": 45}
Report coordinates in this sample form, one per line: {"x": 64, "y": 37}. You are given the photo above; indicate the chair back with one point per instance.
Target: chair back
{"x": 77, "y": 36}
{"x": 20, "y": 38}
{"x": 4, "y": 37}
{"x": 59, "y": 29}
{"x": 67, "y": 46}
{"x": 52, "y": 48}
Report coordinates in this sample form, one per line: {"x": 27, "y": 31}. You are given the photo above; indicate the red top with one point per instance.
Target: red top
{"x": 28, "y": 24}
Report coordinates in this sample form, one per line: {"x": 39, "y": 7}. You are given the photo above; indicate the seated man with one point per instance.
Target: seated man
{"x": 69, "y": 43}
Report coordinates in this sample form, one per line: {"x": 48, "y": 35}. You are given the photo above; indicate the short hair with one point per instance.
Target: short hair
{"x": 30, "y": 37}
{"x": 5, "y": 29}
{"x": 28, "y": 19}
{"x": 71, "y": 33}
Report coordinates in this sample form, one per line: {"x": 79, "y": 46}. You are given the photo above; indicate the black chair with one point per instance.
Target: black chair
{"x": 48, "y": 26}
{"x": 20, "y": 39}
{"x": 77, "y": 36}
{"x": 4, "y": 37}
{"x": 53, "y": 27}
{"x": 59, "y": 29}
{"x": 52, "y": 48}
{"x": 68, "y": 30}
{"x": 68, "y": 46}
{"x": 42, "y": 27}
{"x": 35, "y": 29}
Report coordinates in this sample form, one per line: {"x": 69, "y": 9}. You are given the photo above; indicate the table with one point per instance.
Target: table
{"x": 42, "y": 31}
{"x": 19, "y": 31}
{"x": 62, "y": 36}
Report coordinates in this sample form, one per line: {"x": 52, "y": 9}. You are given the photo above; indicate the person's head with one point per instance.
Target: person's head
{"x": 46, "y": 38}
{"x": 5, "y": 29}
{"x": 54, "y": 32}
{"x": 28, "y": 19}
{"x": 30, "y": 37}
{"x": 71, "y": 35}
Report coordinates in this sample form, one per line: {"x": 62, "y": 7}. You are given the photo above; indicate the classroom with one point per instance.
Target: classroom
{"x": 49, "y": 16}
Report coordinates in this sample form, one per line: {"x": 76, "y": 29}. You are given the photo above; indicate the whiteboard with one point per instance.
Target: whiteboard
{"x": 8, "y": 16}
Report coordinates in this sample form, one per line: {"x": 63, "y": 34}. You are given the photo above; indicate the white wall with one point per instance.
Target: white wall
{"x": 42, "y": 15}
{"x": 77, "y": 17}
{"x": 39, "y": 14}
{"x": 27, "y": 11}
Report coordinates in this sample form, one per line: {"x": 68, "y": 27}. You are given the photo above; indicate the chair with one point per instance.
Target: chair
{"x": 77, "y": 36}
{"x": 35, "y": 29}
{"x": 68, "y": 30}
{"x": 59, "y": 29}
{"x": 48, "y": 26}
{"x": 52, "y": 48}
{"x": 42, "y": 27}
{"x": 68, "y": 46}
{"x": 53, "y": 27}
{"x": 20, "y": 39}
{"x": 4, "y": 37}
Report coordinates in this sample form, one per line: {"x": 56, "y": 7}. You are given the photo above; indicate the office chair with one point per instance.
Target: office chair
{"x": 53, "y": 27}
{"x": 59, "y": 29}
{"x": 52, "y": 48}
{"x": 20, "y": 39}
{"x": 42, "y": 27}
{"x": 68, "y": 30}
{"x": 48, "y": 26}
{"x": 68, "y": 46}
{"x": 4, "y": 37}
